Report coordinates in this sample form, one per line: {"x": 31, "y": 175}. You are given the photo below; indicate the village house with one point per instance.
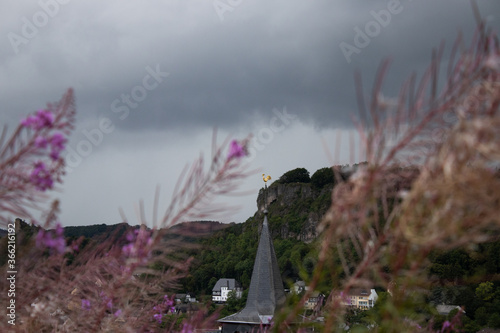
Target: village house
{"x": 360, "y": 298}
{"x": 223, "y": 287}
{"x": 184, "y": 298}
{"x": 314, "y": 299}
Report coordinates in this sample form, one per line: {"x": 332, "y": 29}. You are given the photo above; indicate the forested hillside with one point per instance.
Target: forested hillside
{"x": 468, "y": 276}
{"x": 295, "y": 203}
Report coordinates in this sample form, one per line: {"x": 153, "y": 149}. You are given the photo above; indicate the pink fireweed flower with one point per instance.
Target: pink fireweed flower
{"x": 42, "y": 118}
{"x": 168, "y": 304}
{"x": 40, "y": 238}
{"x": 57, "y": 142}
{"x": 26, "y": 122}
{"x": 129, "y": 250}
{"x": 187, "y": 328}
{"x": 139, "y": 246}
{"x": 41, "y": 177}
{"x": 118, "y": 313}
{"x": 86, "y": 304}
{"x": 109, "y": 303}
{"x": 41, "y": 142}
{"x": 45, "y": 118}
{"x": 44, "y": 239}
{"x": 164, "y": 307}
{"x": 157, "y": 317}
{"x": 236, "y": 150}
{"x": 59, "y": 229}
{"x": 446, "y": 325}
{"x": 130, "y": 236}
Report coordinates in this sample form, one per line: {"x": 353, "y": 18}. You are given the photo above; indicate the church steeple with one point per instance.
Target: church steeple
{"x": 266, "y": 293}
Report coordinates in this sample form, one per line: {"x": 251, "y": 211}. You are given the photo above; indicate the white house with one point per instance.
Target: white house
{"x": 223, "y": 287}
{"x": 360, "y": 298}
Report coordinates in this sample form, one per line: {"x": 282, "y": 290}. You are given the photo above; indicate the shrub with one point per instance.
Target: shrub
{"x": 299, "y": 175}
{"x": 323, "y": 177}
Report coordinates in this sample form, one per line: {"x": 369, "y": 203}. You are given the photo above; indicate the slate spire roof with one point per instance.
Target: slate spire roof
{"x": 266, "y": 292}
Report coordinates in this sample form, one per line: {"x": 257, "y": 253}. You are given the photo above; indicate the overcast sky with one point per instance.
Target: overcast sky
{"x": 164, "y": 74}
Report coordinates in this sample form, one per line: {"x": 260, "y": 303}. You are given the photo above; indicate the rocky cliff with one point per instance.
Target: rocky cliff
{"x": 295, "y": 209}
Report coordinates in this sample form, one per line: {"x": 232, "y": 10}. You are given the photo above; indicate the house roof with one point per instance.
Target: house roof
{"x": 359, "y": 292}
{"x": 444, "y": 309}
{"x": 229, "y": 283}
{"x": 266, "y": 291}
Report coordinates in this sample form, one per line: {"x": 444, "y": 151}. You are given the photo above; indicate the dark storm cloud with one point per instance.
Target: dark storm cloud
{"x": 253, "y": 62}
{"x": 259, "y": 57}
{"x": 227, "y": 68}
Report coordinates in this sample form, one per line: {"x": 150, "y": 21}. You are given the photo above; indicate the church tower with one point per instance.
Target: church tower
{"x": 266, "y": 293}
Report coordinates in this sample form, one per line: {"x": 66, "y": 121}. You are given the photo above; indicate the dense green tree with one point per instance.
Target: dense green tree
{"x": 212, "y": 282}
{"x": 494, "y": 320}
{"x": 470, "y": 326}
{"x": 485, "y": 291}
{"x": 323, "y": 177}
{"x": 481, "y": 316}
{"x": 299, "y": 175}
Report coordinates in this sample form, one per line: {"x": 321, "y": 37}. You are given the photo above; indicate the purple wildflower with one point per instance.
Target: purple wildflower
{"x": 158, "y": 317}
{"x": 128, "y": 250}
{"x": 167, "y": 300}
{"x": 28, "y": 121}
{"x": 130, "y": 236}
{"x": 40, "y": 239}
{"x": 187, "y": 328}
{"x": 40, "y": 177}
{"x": 446, "y": 325}
{"x": 41, "y": 142}
{"x": 86, "y": 304}
{"x": 236, "y": 150}
{"x": 43, "y": 118}
{"x": 45, "y": 239}
{"x": 109, "y": 303}
{"x": 57, "y": 145}
{"x": 139, "y": 246}
{"x": 59, "y": 229}
{"x": 118, "y": 313}
{"x": 58, "y": 243}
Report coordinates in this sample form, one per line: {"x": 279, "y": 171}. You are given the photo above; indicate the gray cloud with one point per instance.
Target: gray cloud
{"x": 227, "y": 73}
